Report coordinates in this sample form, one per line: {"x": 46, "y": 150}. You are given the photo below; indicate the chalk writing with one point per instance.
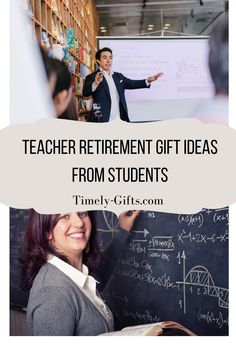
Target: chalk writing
{"x": 161, "y": 255}
{"x": 212, "y": 319}
{"x": 221, "y": 216}
{"x": 193, "y": 219}
{"x": 163, "y": 280}
{"x": 202, "y": 238}
{"x": 138, "y": 246}
{"x": 161, "y": 243}
{"x": 132, "y": 262}
{"x": 146, "y": 317}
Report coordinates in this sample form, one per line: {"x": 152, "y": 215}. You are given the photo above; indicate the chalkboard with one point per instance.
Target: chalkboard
{"x": 174, "y": 267}
{"x": 18, "y": 220}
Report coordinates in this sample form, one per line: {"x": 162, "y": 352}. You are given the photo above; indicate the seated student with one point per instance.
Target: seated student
{"x": 216, "y": 109}
{"x": 63, "y": 298}
{"x": 71, "y": 112}
{"x": 59, "y": 79}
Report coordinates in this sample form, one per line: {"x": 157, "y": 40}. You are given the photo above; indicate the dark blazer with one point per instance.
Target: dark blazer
{"x": 102, "y": 94}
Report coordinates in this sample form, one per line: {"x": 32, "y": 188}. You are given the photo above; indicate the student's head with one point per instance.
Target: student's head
{"x": 218, "y": 56}
{"x": 71, "y": 112}
{"x": 63, "y": 235}
{"x": 59, "y": 79}
{"x": 104, "y": 58}
{"x": 63, "y": 91}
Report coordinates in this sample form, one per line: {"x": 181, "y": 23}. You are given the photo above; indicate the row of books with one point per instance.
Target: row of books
{"x": 85, "y": 56}
{"x": 77, "y": 84}
{"x": 57, "y": 9}
{"x": 84, "y": 70}
{"x": 68, "y": 40}
{"x": 74, "y": 66}
{"x": 65, "y": 37}
{"x": 62, "y": 52}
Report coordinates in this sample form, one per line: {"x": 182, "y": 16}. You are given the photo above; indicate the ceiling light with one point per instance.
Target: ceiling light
{"x": 150, "y": 29}
{"x": 167, "y": 25}
{"x": 150, "y": 25}
{"x": 165, "y": 28}
{"x": 102, "y": 28}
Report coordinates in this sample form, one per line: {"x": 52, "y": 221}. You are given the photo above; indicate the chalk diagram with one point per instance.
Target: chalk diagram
{"x": 111, "y": 222}
{"x": 188, "y": 68}
{"x": 112, "y": 225}
{"x": 199, "y": 276}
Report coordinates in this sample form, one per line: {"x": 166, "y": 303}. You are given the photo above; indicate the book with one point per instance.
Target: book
{"x": 70, "y": 38}
{"x": 58, "y": 52}
{"x": 54, "y": 6}
{"x": 166, "y": 328}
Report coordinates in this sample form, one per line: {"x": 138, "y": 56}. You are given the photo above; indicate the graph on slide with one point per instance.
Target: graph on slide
{"x": 188, "y": 69}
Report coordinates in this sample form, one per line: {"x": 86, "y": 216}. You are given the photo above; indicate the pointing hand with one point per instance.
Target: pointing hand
{"x": 154, "y": 78}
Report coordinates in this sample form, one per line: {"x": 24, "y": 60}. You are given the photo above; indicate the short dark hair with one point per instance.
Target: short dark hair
{"x": 218, "y": 56}
{"x": 60, "y": 69}
{"x": 63, "y": 77}
{"x": 99, "y": 52}
{"x": 37, "y": 246}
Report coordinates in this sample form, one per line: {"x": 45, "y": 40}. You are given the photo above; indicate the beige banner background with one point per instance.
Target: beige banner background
{"x": 44, "y": 182}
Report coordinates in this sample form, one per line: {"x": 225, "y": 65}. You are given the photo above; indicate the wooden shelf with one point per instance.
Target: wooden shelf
{"x": 52, "y": 19}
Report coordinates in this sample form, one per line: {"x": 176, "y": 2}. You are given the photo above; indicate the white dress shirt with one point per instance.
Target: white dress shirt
{"x": 115, "y": 99}
{"x": 85, "y": 282}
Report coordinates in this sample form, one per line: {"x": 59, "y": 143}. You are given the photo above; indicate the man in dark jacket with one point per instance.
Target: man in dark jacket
{"x": 108, "y": 88}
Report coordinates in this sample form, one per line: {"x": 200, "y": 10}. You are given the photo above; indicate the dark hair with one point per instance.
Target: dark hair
{"x": 59, "y": 68}
{"x": 63, "y": 76}
{"x": 218, "y": 56}
{"x": 47, "y": 62}
{"x": 71, "y": 112}
{"x": 37, "y": 245}
{"x": 99, "y": 52}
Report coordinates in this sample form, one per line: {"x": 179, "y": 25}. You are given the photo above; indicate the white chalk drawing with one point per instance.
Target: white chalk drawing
{"x": 202, "y": 238}
{"x": 111, "y": 222}
{"x": 145, "y": 232}
{"x": 200, "y": 277}
{"x": 112, "y": 225}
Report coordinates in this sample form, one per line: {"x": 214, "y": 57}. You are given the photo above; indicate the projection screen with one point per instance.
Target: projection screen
{"x": 185, "y": 83}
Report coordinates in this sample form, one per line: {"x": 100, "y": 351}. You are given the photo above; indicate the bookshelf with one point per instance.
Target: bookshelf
{"x": 68, "y": 28}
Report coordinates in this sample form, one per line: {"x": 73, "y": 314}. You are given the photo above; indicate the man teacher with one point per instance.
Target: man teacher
{"x": 108, "y": 88}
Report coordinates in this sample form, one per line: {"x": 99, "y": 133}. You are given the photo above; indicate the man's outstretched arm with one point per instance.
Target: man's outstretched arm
{"x": 136, "y": 84}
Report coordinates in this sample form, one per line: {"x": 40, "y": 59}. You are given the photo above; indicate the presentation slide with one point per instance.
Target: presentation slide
{"x": 185, "y": 82}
